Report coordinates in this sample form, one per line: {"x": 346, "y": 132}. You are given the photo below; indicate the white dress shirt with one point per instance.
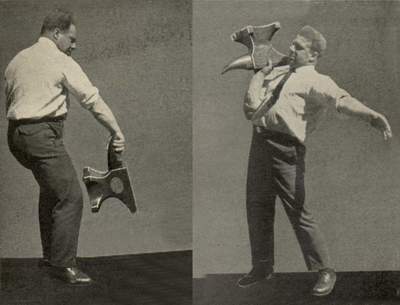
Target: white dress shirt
{"x": 38, "y": 80}
{"x": 305, "y": 96}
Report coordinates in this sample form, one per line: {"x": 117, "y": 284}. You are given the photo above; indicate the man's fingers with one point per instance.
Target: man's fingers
{"x": 117, "y": 141}
{"x": 119, "y": 149}
{"x": 387, "y": 134}
{"x": 388, "y": 131}
{"x": 118, "y": 145}
{"x": 267, "y": 69}
{"x": 382, "y": 124}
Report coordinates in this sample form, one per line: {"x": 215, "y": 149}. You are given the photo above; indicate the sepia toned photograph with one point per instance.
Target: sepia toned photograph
{"x": 205, "y": 152}
{"x": 295, "y": 152}
{"x": 96, "y": 152}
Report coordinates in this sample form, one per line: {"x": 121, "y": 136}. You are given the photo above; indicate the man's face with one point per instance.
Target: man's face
{"x": 301, "y": 53}
{"x": 66, "y": 40}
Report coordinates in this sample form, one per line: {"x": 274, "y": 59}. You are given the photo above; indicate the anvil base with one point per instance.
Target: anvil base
{"x": 114, "y": 183}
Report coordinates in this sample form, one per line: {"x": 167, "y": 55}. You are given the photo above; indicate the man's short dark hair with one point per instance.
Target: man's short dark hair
{"x": 317, "y": 40}
{"x": 57, "y": 19}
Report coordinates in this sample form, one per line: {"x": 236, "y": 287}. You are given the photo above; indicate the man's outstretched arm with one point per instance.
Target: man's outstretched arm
{"x": 352, "y": 107}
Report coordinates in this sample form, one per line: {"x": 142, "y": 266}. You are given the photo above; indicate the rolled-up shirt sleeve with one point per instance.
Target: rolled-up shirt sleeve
{"x": 327, "y": 90}
{"x": 77, "y": 82}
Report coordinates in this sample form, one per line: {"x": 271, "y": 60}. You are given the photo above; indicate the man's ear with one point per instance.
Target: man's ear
{"x": 315, "y": 55}
{"x": 56, "y": 33}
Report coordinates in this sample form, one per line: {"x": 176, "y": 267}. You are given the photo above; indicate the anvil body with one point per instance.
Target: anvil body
{"x": 113, "y": 183}
{"x": 258, "y": 41}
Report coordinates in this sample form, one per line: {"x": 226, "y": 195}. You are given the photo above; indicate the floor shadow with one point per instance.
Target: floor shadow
{"x": 352, "y": 288}
{"x": 145, "y": 279}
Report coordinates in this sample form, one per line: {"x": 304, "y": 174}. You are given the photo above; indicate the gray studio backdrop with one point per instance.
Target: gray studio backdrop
{"x": 138, "y": 53}
{"x": 352, "y": 176}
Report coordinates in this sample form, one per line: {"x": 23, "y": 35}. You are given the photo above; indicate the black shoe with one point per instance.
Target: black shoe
{"x": 325, "y": 283}
{"x": 71, "y": 275}
{"x": 256, "y": 275}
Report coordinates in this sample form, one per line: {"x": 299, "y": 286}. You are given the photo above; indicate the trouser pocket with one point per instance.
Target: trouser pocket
{"x": 38, "y": 140}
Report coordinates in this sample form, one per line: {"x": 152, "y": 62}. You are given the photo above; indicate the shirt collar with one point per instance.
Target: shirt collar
{"x": 47, "y": 42}
{"x": 305, "y": 68}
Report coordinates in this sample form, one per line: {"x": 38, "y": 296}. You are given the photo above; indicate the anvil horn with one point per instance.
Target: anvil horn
{"x": 258, "y": 41}
{"x": 246, "y": 62}
{"x": 242, "y": 62}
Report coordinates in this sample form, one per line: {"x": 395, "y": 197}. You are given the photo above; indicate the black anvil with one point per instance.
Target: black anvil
{"x": 258, "y": 41}
{"x": 113, "y": 183}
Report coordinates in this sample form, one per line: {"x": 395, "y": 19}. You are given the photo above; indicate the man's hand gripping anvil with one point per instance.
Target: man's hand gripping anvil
{"x": 118, "y": 142}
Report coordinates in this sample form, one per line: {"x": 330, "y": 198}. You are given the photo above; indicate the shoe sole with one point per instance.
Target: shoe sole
{"x": 254, "y": 283}
{"x": 80, "y": 283}
{"x": 67, "y": 282}
{"x": 322, "y": 294}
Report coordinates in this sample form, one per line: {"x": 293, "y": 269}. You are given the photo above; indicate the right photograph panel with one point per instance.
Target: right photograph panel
{"x": 295, "y": 151}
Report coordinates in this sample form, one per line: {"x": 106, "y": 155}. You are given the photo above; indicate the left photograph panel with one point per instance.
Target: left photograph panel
{"x": 96, "y": 152}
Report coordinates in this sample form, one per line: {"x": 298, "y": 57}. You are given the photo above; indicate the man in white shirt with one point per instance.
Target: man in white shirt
{"x": 284, "y": 105}
{"x": 38, "y": 81}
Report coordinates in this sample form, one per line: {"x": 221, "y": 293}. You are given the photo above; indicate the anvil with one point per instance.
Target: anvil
{"x": 112, "y": 183}
{"x": 258, "y": 41}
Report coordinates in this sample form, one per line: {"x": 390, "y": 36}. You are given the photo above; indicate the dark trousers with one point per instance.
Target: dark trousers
{"x": 39, "y": 147}
{"x": 276, "y": 168}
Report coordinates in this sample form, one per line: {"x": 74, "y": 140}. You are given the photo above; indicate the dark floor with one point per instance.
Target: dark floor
{"x": 145, "y": 279}
{"x": 352, "y": 288}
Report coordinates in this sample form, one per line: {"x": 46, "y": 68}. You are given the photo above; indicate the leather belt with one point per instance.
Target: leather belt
{"x": 45, "y": 119}
{"x": 277, "y": 136}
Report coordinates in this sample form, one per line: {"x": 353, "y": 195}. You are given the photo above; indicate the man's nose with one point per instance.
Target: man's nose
{"x": 73, "y": 46}
{"x": 291, "y": 48}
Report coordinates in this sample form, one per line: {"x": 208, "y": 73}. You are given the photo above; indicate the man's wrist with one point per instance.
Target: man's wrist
{"x": 373, "y": 116}
{"x": 116, "y": 132}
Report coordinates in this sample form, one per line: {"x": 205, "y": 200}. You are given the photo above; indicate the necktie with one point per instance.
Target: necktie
{"x": 277, "y": 91}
